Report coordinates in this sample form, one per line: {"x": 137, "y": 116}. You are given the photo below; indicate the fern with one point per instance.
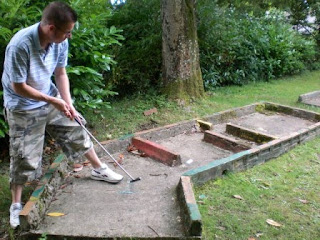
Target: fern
{"x": 5, "y": 33}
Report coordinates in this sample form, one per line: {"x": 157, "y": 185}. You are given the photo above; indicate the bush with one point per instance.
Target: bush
{"x": 15, "y": 14}
{"x": 89, "y": 55}
{"x": 237, "y": 48}
{"x": 139, "y": 58}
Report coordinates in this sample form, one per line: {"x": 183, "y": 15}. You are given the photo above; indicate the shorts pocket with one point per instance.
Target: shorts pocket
{"x": 17, "y": 144}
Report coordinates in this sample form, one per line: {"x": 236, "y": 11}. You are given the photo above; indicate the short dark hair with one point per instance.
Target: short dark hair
{"x": 59, "y": 14}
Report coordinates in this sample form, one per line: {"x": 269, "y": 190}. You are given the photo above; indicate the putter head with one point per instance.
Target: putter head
{"x": 137, "y": 179}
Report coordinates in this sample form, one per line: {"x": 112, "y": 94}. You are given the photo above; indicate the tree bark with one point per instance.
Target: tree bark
{"x": 181, "y": 73}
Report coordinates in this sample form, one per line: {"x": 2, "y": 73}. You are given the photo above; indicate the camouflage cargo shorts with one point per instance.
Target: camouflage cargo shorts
{"x": 27, "y": 133}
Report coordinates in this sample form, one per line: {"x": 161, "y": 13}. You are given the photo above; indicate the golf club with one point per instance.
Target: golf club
{"x": 132, "y": 178}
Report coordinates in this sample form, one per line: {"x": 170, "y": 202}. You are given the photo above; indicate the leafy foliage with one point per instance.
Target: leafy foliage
{"x": 90, "y": 46}
{"x": 237, "y": 48}
{"x": 15, "y": 14}
{"x": 90, "y": 57}
{"x": 139, "y": 58}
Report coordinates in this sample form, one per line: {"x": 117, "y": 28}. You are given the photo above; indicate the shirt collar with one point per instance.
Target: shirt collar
{"x": 36, "y": 38}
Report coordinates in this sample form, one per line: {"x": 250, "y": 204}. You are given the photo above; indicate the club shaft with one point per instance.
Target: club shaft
{"x": 87, "y": 131}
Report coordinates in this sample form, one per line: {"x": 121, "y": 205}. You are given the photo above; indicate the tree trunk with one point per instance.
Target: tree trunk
{"x": 182, "y": 78}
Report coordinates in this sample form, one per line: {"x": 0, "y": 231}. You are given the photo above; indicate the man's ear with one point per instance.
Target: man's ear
{"x": 51, "y": 27}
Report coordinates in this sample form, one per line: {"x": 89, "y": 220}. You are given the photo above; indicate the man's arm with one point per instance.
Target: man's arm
{"x": 27, "y": 91}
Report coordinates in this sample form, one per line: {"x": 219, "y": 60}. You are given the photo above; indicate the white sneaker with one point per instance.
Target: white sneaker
{"x": 15, "y": 210}
{"x": 105, "y": 174}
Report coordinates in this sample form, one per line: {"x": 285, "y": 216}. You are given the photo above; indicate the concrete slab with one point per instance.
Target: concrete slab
{"x": 273, "y": 123}
{"x": 148, "y": 208}
{"x": 312, "y": 98}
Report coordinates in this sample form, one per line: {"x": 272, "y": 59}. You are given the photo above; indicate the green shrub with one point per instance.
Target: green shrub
{"x": 237, "y": 48}
{"x": 139, "y": 58}
{"x": 14, "y": 15}
{"x": 89, "y": 55}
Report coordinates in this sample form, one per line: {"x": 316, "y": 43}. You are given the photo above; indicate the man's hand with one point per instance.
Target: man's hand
{"x": 68, "y": 110}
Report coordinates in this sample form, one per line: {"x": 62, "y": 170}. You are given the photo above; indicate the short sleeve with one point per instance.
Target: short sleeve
{"x": 17, "y": 62}
{"x": 63, "y": 54}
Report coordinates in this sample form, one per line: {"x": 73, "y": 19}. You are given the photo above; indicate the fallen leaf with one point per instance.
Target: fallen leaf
{"x": 252, "y": 238}
{"x": 86, "y": 163}
{"x": 303, "y": 201}
{"x": 273, "y": 223}
{"x": 151, "y": 111}
{"x": 120, "y": 160}
{"x": 238, "y": 197}
{"x": 77, "y": 167}
{"x": 266, "y": 184}
{"x": 131, "y": 148}
{"x": 259, "y": 234}
{"x": 47, "y": 150}
{"x": 221, "y": 228}
{"x": 55, "y": 214}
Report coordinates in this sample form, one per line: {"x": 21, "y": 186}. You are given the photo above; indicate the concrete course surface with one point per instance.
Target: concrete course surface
{"x": 312, "y": 98}
{"x": 162, "y": 205}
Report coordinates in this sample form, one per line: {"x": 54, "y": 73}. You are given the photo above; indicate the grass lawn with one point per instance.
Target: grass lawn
{"x": 285, "y": 190}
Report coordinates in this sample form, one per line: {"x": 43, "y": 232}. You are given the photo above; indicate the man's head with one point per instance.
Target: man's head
{"x": 59, "y": 18}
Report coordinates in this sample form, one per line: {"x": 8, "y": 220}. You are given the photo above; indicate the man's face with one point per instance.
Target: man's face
{"x": 62, "y": 32}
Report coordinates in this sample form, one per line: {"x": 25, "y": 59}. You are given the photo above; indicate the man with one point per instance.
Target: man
{"x": 34, "y": 104}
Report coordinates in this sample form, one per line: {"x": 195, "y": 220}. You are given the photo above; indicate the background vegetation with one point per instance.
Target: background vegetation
{"x": 90, "y": 48}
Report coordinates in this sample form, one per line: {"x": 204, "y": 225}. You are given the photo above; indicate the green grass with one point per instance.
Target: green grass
{"x": 5, "y": 200}
{"x": 275, "y": 190}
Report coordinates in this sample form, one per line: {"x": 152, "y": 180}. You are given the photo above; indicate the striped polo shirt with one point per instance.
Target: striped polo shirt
{"x": 26, "y": 61}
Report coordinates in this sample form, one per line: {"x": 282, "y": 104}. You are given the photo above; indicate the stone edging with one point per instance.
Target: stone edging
{"x": 304, "y": 97}
{"x": 34, "y": 210}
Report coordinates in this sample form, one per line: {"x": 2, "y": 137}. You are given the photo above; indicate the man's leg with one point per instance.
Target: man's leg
{"x": 75, "y": 142}
{"x": 26, "y": 144}
{"x": 93, "y": 158}
{"x": 16, "y": 207}
{"x": 16, "y": 193}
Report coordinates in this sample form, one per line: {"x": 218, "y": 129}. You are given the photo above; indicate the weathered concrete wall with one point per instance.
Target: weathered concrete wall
{"x": 296, "y": 112}
{"x": 35, "y": 208}
{"x": 249, "y": 158}
{"x": 305, "y": 97}
{"x": 191, "y": 213}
